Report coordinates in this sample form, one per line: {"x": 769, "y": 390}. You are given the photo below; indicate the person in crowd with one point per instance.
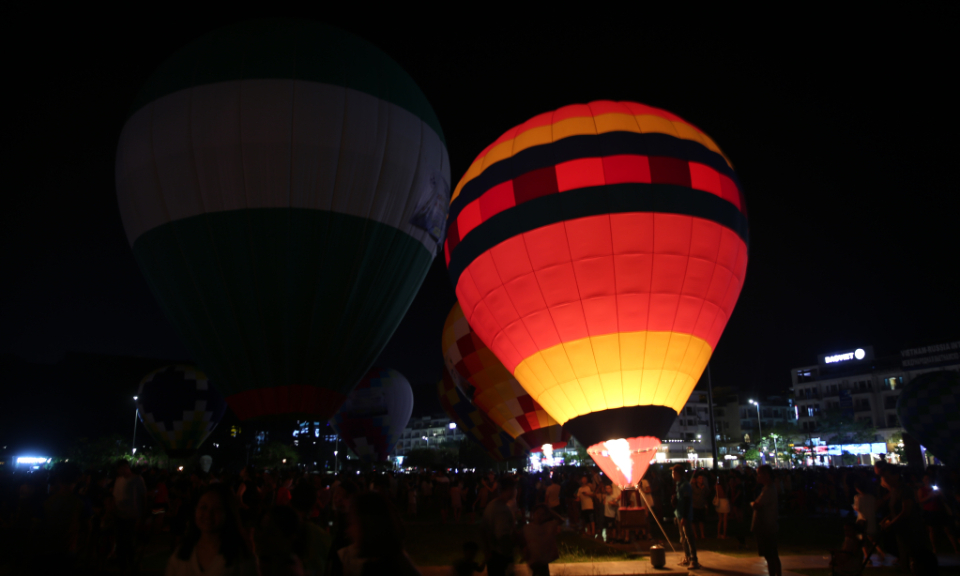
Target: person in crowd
{"x": 540, "y": 540}
{"x": 498, "y": 530}
{"x": 442, "y": 488}
{"x": 283, "y": 492}
{"x": 683, "y": 511}
{"x": 611, "y": 505}
{"x": 766, "y": 510}
{"x": 312, "y": 543}
{"x": 552, "y": 496}
{"x": 456, "y": 499}
{"x": 376, "y": 534}
{"x": 411, "y": 497}
{"x": 426, "y": 491}
{"x": 467, "y": 565}
{"x": 700, "y": 500}
{"x": 130, "y": 502}
{"x": 738, "y": 509}
{"x": 905, "y": 522}
{"x": 849, "y": 558}
{"x": 585, "y": 496}
{"x": 723, "y": 508}
{"x": 865, "y": 505}
{"x": 214, "y": 544}
{"x": 934, "y": 514}
{"x": 61, "y": 520}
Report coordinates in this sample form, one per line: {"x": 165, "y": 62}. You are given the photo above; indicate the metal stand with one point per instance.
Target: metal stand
{"x": 650, "y": 509}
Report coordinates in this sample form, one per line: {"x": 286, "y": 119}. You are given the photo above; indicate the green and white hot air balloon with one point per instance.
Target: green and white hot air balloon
{"x": 283, "y": 185}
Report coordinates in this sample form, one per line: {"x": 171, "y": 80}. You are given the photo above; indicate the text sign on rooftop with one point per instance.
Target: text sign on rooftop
{"x": 847, "y": 356}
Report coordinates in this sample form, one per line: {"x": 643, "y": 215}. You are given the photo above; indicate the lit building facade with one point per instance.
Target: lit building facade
{"x": 860, "y": 386}
{"x": 427, "y": 432}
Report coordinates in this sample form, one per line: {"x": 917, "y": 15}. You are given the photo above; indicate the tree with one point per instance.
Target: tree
{"x": 275, "y": 455}
{"x": 836, "y": 428}
{"x": 752, "y": 455}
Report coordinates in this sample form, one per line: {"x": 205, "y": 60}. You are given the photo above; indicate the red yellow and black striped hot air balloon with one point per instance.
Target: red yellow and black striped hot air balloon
{"x": 599, "y": 250}
{"x": 476, "y": 425}
{"x": 492, "y": 388}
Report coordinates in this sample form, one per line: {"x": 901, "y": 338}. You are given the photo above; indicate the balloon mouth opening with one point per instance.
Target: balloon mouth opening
{"x": 548, "y": 447}
{"x": 625, "y": 460}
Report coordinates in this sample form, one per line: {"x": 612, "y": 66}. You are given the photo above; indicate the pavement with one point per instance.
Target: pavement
{"x": 713, "y": 563}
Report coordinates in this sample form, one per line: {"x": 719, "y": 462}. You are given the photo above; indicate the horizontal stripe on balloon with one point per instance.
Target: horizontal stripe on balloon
{"x": 592, "y": 201}
{"x": 652, "y": 422}
{"x": 245, "y": 281}
{"x": 613, "y": 371}
{"x": 288, "y": 48}
{"x": 584, "y": 119}
{"x": 585, "y": 173}
{"x": 291, "y": 402}
{"x": 277, "y": 144}
{"x": 580, "y": 147}
{"x": 601, "y": 275}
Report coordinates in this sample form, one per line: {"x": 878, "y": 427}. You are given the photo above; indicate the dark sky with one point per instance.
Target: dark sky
{"x": 842, "y": 129}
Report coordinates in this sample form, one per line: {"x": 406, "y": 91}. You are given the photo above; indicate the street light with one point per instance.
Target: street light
{"x": 136, "y": 416}
{"x": 759, "y": 426}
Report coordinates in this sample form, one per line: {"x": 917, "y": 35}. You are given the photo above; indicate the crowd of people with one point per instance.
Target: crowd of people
{"x": 293, "y": 522}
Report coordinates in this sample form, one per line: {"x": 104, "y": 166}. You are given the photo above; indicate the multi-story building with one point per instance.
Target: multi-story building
{"x": 863, "y": 387}
{"x": 735, "y": 419}
{"x": 427, "y": 431}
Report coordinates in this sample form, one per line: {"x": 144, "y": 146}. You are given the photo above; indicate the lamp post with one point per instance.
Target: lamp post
{"x": 759, "y": 425}
{"x": 136, "y": 416}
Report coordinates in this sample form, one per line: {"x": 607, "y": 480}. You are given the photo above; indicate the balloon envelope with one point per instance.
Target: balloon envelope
{"x": 625, "y": 460}
{"x": 283, "y": 185}
{"x": 475, "y": 424}
{"x": 929, "y": 409}
{"x": 598, "y": 250}
{"x": 487, "y": 383}
{"x": 375, "y": 414}
{"x": 179, "y": 408}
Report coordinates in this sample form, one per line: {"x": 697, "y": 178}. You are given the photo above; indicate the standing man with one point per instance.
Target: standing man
{"x": 497, "y": 529}
{"x": 585, "y": 495}
{"x": 130, "y": 499}
{"x": 552, "y": 496}
{"x": 765, "y": 522}
{"x": 683, "y": 502}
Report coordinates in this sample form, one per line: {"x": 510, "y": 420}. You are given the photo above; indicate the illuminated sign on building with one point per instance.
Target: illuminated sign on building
{"x": 849, "y": 356}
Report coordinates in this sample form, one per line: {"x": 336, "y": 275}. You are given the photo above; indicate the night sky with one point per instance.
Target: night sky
{"x": 842, "y": 129}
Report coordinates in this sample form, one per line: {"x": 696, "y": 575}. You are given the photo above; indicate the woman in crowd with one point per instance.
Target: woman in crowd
{"x": 376, "y": 531}
{"x": 722, "y": 506}
{"x": 214, "y": 544}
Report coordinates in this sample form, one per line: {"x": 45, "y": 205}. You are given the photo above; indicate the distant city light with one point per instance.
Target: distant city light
{"x": 453, "y": 425}
{"x": 32, "y": 460}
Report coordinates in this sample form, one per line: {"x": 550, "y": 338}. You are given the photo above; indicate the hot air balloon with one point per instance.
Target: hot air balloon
{"x": 599, "y": 250}
{"x": 484, "y": 380}
{"x": 283, "y": 186}
{"x": 375, "y": 414}
{"x": 928, "y": 409}
{"x": 475, "y": 424}
{"x": 179, "y": 408}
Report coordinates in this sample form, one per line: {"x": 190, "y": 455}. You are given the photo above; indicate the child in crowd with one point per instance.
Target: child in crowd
{"x": 847, "y": 560}
{"x": 468, "y": 565}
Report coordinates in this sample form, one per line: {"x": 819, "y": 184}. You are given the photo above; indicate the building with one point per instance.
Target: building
{"x": 427, "y": 431}
{"x": 863, "y": 387}
{"x": 735, "y": 419}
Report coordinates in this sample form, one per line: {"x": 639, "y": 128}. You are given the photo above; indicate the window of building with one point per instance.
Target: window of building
{"x": 893, "y": 421}
{"x": 889, "y": 402}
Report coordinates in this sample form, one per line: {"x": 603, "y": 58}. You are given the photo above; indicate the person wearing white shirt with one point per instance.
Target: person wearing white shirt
{"x": 585, "y": 496}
